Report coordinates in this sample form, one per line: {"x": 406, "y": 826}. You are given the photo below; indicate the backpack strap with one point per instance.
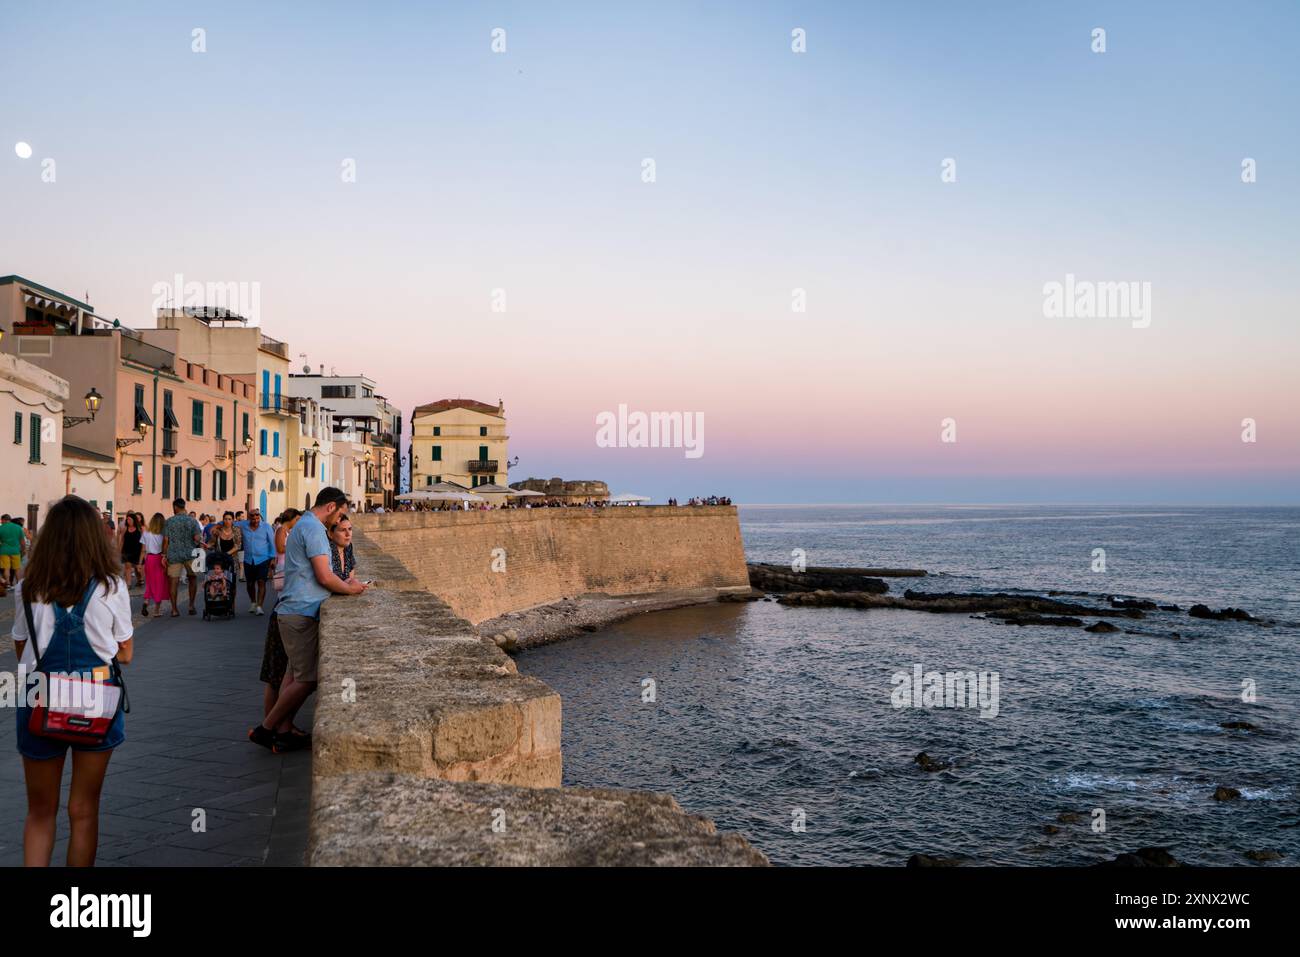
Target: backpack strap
{"x": 31, "y": 631}
{"x": 80, "y": 610}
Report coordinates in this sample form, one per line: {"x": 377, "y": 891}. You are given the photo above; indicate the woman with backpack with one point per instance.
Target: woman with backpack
{"x": 72, "y": 616}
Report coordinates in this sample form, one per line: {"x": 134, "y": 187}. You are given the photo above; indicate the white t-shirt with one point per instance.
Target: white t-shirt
{"x": 107, "y": 619}
{"x": 152, "y": 543}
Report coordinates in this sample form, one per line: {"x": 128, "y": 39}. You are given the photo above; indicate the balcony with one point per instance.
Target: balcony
{"x": 483, "y": 465}
{"x": 169, "y": 442}
{"x": 375, "y": 487}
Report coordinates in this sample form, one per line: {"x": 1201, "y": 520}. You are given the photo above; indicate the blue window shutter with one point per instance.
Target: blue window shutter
{"x": 266, "y": 386}
{"x": 262, "y": 443}
{"x": 276, "y": 442}
{"x": 277, "y": 391}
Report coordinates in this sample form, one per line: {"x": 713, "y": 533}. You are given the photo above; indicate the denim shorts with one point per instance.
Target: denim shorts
{"x": 42, "y": 749}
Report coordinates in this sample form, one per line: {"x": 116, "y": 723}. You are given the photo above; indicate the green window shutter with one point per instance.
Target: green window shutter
{"x": 482, "y": 453}
{"x": 219, "y": 424}
{"x": 167, "y": 482}
{"x": 482, "y": 430}
{"x": 18, "y": 428}
{"x": 437, "y": 453}
{"x": 34, "y": 439}
{"x": 196, "y": 417}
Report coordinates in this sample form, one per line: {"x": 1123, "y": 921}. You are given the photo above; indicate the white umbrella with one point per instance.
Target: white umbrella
{"x": 630, "y": 498}
{"x": 429, "y": 495}
{"x": 526, "y": 493}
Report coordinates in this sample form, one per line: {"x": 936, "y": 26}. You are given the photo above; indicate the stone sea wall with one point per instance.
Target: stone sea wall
{"x": 542, "y": 555}
{"x": 430, "y": 748}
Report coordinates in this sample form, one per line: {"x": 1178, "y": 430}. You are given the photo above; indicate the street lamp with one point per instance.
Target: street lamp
{"x": 142, "y": 427}
{"x": 93, "y": 400}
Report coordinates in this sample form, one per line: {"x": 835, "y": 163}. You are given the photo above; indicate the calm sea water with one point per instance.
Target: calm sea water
{"x": 763, "y": 711}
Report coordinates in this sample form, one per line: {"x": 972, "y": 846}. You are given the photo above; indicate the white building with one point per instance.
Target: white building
{"x": 31, "y": 460}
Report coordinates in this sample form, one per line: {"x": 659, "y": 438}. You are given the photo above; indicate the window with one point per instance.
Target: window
{"x": 261, "y": 443}
{"x": 428, "y": 480}
{"x": 482, "y": 453}
{"x": 169, "y": 417}
{"x": 218, "y": 485}
{"x": 137, "y": 477}
{"x": 437, "y": 430}
{"x": 437, "y": 453}
{"x": 167, "y": 482}
{"x": 437, "y": 479}
{"x": 18, "y": 428}
{"x": 246, "y": 433}
{"x": 219, "y": 431}
{"x": 266, "y": 387}
{"x": 196, "y": 417}
{"x": 34, "y": 439}
{"x": 275, "y": 443}
{"x": 482, "y": 430}
{"x": 338, "y": 392}
{"x": 141, "y": 416}
{"x": 177, "y": 482}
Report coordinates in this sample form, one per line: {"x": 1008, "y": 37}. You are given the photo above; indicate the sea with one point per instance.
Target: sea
{"x": 787, "y": 725}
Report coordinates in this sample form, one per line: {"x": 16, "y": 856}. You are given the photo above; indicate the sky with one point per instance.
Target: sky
{"x": 518, "y": 179}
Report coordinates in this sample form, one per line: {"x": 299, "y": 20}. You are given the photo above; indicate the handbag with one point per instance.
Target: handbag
{"x": 72, "y": 709}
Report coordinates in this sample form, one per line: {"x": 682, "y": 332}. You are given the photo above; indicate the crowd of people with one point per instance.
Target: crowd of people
{"x": 708, "y": 500}
{"x": 74, "y": 581}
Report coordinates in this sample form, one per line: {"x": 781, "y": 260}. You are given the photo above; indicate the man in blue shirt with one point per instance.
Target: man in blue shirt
{"x": 259, "y": 556}
{"x": 308, "y": 581}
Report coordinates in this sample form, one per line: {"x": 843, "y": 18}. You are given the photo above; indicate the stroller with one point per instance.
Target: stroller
{"x": 219, "y": 587}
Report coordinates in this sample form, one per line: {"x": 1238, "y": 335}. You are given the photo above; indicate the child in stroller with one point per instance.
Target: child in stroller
{"x": 219, "y": 587}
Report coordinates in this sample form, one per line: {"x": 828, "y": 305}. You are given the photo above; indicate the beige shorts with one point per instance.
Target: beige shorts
{"x": 174, "y": 570}
{"x": 300, "y": 636}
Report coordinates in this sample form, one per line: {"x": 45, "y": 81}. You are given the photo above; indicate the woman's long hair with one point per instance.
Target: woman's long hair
{"x": 70, "y": 551}
{"x": 156, "y": 523}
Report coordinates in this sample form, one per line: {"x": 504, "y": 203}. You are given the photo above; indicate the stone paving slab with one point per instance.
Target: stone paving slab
{"x": 194, "y": 694}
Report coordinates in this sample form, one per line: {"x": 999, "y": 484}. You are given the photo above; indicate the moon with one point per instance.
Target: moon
{"x": 23, "y": 150}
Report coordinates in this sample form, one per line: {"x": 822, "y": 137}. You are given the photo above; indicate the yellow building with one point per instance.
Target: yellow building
{"x": 458, "y": 440}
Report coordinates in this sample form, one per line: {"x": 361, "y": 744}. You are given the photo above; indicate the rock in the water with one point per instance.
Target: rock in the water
{"x": 925, "y": 860}
{"x": 754, "y": 594}
{"x": 782, "y": 580}
{"x": 1170, "y": 608}
{"x": 1051, "y": 829}
{"x": 1144, "y": 857}
{"x": 928, "y": 763}
{"x": 1223, "y": 614}
{"x": 1101, "y": 628}
{"x": 1133, "y": 603}
{"x": 1238, "y": 726}
{"x": 1222, "y": 793}
{"x": 1016, "y": 618}
{"x": 1265, "y": 855}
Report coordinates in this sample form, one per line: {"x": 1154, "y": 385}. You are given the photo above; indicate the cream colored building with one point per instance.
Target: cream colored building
{"x": 458, "y": 440}
{"x": 32, "y": 403}
{"x": 228, "y": 344}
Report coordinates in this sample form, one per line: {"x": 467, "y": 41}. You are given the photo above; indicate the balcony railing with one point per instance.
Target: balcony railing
{"x": 169, "y": 442}
{"x": 374, "y": 486}
{"x": 483, "y": 465}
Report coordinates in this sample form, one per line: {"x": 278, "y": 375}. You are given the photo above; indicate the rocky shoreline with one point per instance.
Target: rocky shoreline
{"x": 824, "y": 587}
{"x": 570, "y": 617}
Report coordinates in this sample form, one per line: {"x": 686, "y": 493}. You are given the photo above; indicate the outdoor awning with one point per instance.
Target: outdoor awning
{"x": 169, "y": 418}
{"x": 141, "y": 416}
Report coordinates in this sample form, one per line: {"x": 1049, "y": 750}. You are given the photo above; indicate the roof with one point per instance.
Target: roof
{"x": 76, "y": 452}
{"x": 5, "y": 280}
{"x": 445, "y": 405}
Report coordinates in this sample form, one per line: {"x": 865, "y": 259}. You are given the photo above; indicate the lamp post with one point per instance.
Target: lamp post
{"x": 142, "y": 428}
{"x": 234, "y": 455}
{"x": 93, "y": 400}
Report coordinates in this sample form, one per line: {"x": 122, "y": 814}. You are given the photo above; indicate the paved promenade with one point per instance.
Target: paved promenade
{"x": 194, "y": 694}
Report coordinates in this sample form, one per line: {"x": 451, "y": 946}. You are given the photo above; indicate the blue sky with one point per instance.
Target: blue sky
{"x": 520, "y": 171}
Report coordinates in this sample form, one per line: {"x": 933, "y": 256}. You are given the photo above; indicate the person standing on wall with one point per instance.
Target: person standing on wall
{"x": 308, "y": 581}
